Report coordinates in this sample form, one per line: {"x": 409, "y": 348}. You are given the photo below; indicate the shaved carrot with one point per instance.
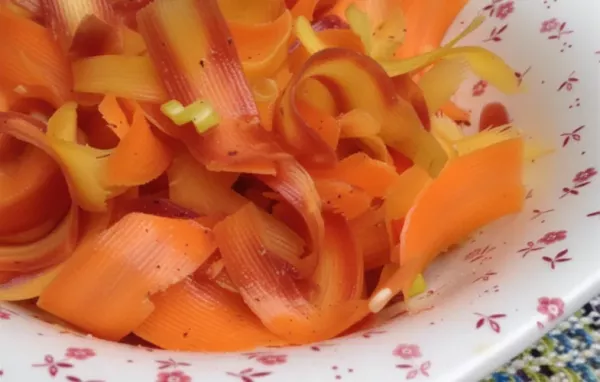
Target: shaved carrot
{"x": 51, "y": 249}
{"x": 491, "y": 177}
{"x": 29, "y": 286}
{"x": 113, "y": 114}
{"x": 192, "y": 186}
{"x": 200, "y": 316}
{"x": 400, "y": 199}
{"x": 305, "y": 8}
{"x": 400, "y": 161}
{"x": 338, "y": 38}
{"x": 237, "y": 146}
{"x": 140, "y": 156}
{"x": 375, "y": 146}
{"x": 220, "y": 175}
{"x": 427, "y": 24}
{"x": 369, "y": 230}
{"x": 262, "y": 45}
{"x": 296, "y": 186}
{"x": 380, "y": 24}
{"x": 359, "y": 170}
{"x": 271, "y": 293}
{"x": 288, "y": 215}
{"x": 7, "y": 276}
{"x": 114, "y": 302}
{"x": 278, "y": 240}
{"x": 455, "y": 112}
{"x": 259, "y": 11}
{"x": 343, "y": 198}
{"x": 130, "y": 77}
{"x": 31, "y": 9}
{"x": 340, "y": 260}
{"x": 266, "y": 91}
{"x": 198, "y": 63}
{"x": 32, "y": 60}
{"x": 324, "y": 124}
{"x": 348, "y": 71}
{"x": 358, "y": 123}
{"x": 317, "y": 95}
{"x": 442, "y": 81}
{"x": 412, "y": 93}
{"x": 88, "y": 21}
{"x": 34, "y": 192}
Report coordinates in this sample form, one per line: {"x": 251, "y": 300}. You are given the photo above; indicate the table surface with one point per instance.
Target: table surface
{"x": 569, "y": 353}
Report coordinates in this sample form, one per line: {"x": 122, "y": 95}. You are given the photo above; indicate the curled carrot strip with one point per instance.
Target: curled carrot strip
{"x": 400, "y": 199}
{"x": 412, "y": 93}
{"x": 371, "y": 234}
{"x": 31, "y": 59}
{"x": 27, "y": 287}
{"x": 427, "y": 23}
{"x": 85, "y": 24}
{"x": 113, "y": 115}
{"x": 31, "y": 8}
{"x": 188, "y": 42}
{"x": 359, "y": 78}
{"x": 262, "y": 45}
{"x": 123, "y": 76}
{"x": 53, "y": 248}
{"x": 34, "y": 194}
{"x": 343, "y": 198}
{"x": 207, "y": 67}
{"x": 455, "y": 112}
{"x": 192, "y": 186}
{"x": 296, "y": 186}
{"x": 236, "y": 146}
{"x": 140, "y": 156}
{"x": 445, "y": 215}
{"x": 269, "y": 289}
{"x": 218, "y": 175}
{"x": 372, "y": 176}
{"x": 114, "y": 302}
{"x": 305, "y": 8}
{"x": 197, "y": 315}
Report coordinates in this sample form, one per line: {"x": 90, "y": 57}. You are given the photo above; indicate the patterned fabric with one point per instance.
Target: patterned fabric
{"x": 570, "y": 353}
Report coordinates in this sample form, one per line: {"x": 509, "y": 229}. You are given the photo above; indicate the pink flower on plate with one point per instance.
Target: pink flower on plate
{"x": 80, "y": 353}
{"x": 505, "y": 9}
{"x": 550, "y": 25}
{"x": 553, "y": 308}
{"x": 407, "y": 352}
{"x": 4, "y": 315}
{"x": 53, "y": 365}
{"x": 173, "y": 376}
{"x": 479, "y": 88}
{"x": 272, "y": 359}
{"x": 553, "y": 237}
{"x": 585, "y": 176}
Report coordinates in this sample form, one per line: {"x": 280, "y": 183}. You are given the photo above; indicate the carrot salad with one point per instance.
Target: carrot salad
{"x": 221, "y": 175}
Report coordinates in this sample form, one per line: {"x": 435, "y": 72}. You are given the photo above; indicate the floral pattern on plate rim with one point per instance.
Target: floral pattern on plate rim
{"x": 496, "y": 264}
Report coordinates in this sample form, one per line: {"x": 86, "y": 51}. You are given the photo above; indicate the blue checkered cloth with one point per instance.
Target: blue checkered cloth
{"x": 569, "y": 353}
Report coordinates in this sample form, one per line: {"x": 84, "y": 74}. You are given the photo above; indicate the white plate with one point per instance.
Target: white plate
{"x": 487, "y": 302}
